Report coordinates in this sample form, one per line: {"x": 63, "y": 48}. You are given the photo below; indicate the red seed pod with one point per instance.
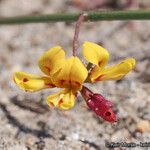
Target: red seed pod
{"x": 102, "y": 107}
{"x": 99, "y": 98}
{"x": 99, "y": 105}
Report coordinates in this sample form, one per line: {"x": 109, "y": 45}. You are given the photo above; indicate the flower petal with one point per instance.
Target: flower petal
{"x": 32, "y": 83}
{"x": 115, "y": 72}
{"x": 95, "y": 54}
{"x": 49, "y": 58}
{"x": 71, "y": 74}
{"x": 64, "y": 100}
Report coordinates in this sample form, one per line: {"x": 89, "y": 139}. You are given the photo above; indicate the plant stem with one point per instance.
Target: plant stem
{"x": 71, "y": 17}
{"x": 76, "y": 34}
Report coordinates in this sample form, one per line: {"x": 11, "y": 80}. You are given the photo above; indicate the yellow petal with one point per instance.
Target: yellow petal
{"x": 64, "y": 100}
{"x": 32, "y": 83}
{"x": 49, "y": 58}
{"x": 71, "y": 74}
{"x": 95, "y": 54}
{"x": 115, "y": 72}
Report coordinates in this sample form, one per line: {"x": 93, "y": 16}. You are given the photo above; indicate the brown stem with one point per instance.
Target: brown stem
{"x": 76, "y": 34}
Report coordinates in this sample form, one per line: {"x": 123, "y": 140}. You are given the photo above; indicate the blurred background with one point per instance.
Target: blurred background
{"x": 26, "y": 123}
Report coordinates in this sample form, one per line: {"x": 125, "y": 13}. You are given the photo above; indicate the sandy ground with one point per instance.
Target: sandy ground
{"x": 26, "y": 123}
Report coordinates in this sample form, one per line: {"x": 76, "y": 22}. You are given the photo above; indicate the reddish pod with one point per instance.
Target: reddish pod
{"x": 102, "y": 107}
{"x": 99, "y": 105}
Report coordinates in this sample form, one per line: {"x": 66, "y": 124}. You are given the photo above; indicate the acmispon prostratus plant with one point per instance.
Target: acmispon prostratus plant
{"x": 70, "y": 73}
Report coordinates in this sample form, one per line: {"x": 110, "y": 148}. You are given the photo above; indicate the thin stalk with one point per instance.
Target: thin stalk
{"x": 76, "y": 34}
{"x": 71, "y": 17}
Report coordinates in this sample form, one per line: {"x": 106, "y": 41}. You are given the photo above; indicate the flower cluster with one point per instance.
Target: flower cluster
{"x": 70, "y": 74}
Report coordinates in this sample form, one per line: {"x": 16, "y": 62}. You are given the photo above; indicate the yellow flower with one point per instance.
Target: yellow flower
{"x": 70, "y": 73}
{"x": 99, "y": 56}
{"x": 60, "y": 72}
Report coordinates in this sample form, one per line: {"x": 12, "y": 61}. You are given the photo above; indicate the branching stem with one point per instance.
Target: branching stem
{"x": 71, "y": 17}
